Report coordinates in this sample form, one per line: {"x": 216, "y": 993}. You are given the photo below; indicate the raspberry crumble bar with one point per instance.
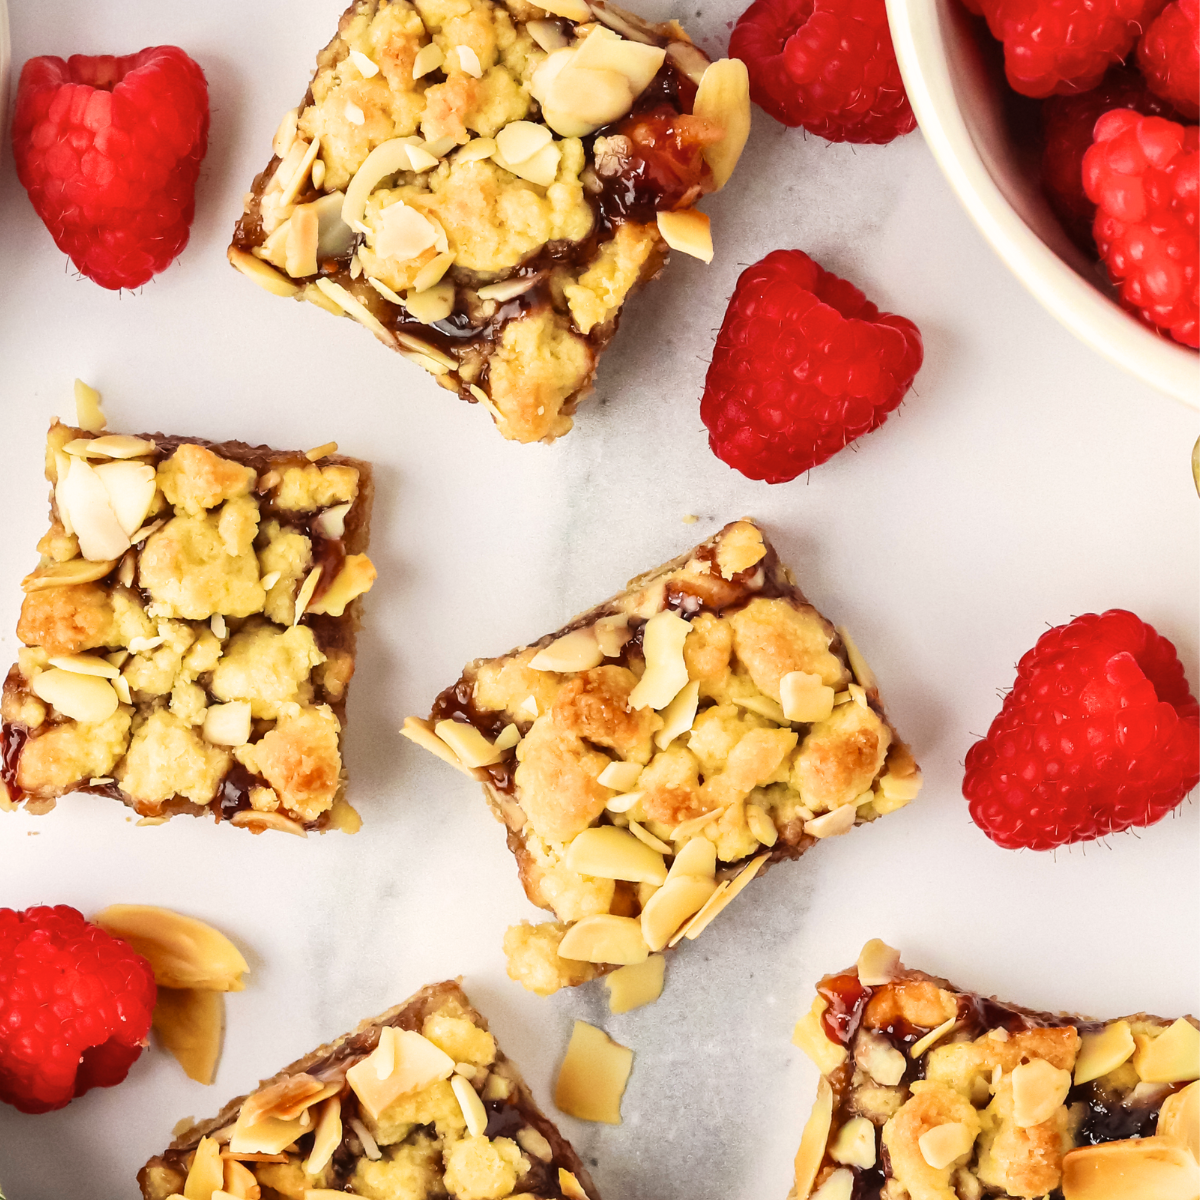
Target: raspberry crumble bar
{"x": 482, "y": 184}
{"x": 190, "y": 631}
{"x": 653, "y": 755}
{"x": 932, "y": 1093}
{"x": 417, "y": 1102}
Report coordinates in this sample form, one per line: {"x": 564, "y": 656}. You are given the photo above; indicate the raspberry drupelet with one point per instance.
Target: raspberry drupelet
{"x": 1169, "y": 56}
{"x": 75, "y": 1007}
{"x": 109, "y": 150}
{"x": 1100, "y": 733}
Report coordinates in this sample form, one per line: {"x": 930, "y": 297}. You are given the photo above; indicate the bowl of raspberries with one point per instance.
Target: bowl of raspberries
{"x": 1068, "y": 128}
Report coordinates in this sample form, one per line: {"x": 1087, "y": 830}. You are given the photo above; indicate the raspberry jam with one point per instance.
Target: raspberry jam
{"x": 846, "y": 998}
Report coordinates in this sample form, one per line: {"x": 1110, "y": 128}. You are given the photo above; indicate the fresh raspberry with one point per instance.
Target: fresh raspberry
{"x": 1169, "y": 55}
{"x": 1067, "y": 123}
{"x": 1065, "y": 46}
{"x": 828, "y": 65}
{"x": 1099, "y": 733}
{"x": 1143, "y": 174}
{"x": 75, "y": 1007}
{"x": 109, "y": 150}
{"x": 803, "y": 365}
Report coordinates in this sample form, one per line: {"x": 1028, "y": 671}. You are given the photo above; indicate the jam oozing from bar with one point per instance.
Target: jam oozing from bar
{"x": 330, "y": 633}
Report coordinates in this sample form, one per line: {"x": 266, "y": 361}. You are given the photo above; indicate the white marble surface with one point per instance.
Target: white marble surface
{"x": 1023, "y": 482}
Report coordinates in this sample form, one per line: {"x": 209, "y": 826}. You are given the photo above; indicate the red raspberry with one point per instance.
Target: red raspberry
{"x": 1143, "y": 174}
{"x": 75, "y": 1007}
{"x": 828, "y": 65}
{"x": 108, "y": 150}
{"x": 1068, "y": 122}
{"x": 1065, "y": 46}
{"x": 803, "y": 365}
{"x": 1099, "y": 733}
{"x": 1169, "y": 55}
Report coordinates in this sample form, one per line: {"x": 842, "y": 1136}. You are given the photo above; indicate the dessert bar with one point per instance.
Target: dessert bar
{"x": 482, "y": 184}
{"x": 649, "y": 758}
{"x": 931, "y": 1092}
{"x": 417, "y": 1102}
{"x": 189, "y": 633}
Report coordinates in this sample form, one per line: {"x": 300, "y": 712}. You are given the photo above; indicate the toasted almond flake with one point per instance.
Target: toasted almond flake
{"x": 541, "y": 168}
{"x": 810, "y": 1036}
{"x": 620, "y": 776}
{"x": 417, "y": 731}
{"x": 635, "y": 985}
{"x": 356, "y": 269}
{"x": 322, "y": 451}
{"x": 718, "y": 903}
{"x": 644, "y": 835}
{"x": 764, "y": 706}
{"x": 85, "y": 664}
{"x": 292, "y": 188}
{"x": 140, "y": 645}
{"x": 519, "y": 141}
{"x": 343, "y": 299}
{"x": 574, "y": 651}
{"x": 468, "y": 744}
{"x": 688, "y": 231}
{"x": 417, "y": 1063}
{"x": 369, "y": 1145}
{"x": 832, "y": 824}
{"x": 386, "y": 159}
{"x": 327, "y": 1138}
{"x": 723, "y": 97}
{"x": 667, "y": 910}
{"x": 183, "y": 952}
{"x": 111, "y": 445}
{"x": 385, "y": 291}
{"x": 510, "y": 735}
{"x": 353, "y": 113}
{"x": 404, "y": 232}
{"x": 227, "y": 724}
{"x": 932, "y": 1038}
{"x": 570, "y": 10}
{"x": 267, "y": 1136}
{"x": 88, "y": 413}
{"x": 878, "y": 963}
{"x": 1171, "y": 1057}
{"x": 85, "y": 498}
{"x": 318, "y": 175}
{"x": 239, "y": 1180}
{"x": 130, "y": 487}
{"x": 366, "y": 68}
{"x": 838, "y": 1186}
{"x": 414, "y": 343}
{"x": 814, "y": 1140}
{"x": 761, "y": 825}
{"x": 469, "y": 61}
{"x": 431, "y": 273}
{"x": 473, "y": 1111}
{"x": 842, "y": 698}
{"x": 101, "y": 780}
{"x": 439, "y": 148}
{"x": 534, "y": 1144}
{"x": 570, "y": 1187}
{"x": 331, "y": 522}
{"x": 606, "y": 852}
{"x": 1102, "y": 1052}
{"x": 509, "y": 289}
{"x": 1152, "y": 1168}
{"x": 804, "y": 698}
{"x": 433, "y": 304}
{"x": 623, "y": 802}
{"x": 698, "y": 858}
{"x": 1039, "y": 1089}
{"x": 84, "y": 698}
{"x": 692, "y": 61}
{"x": 604, "y": 938}
{"x": 285, "y": 135}
{"x": 593, "y": 1075}
{"x": 269, "y": 580}
{"x": 900, "y": 789}
{"x": 260, "y": 822}
{"x": 476, "y": 150}
{"x": 127, "y": 569}
{"x": 604, "y": 50}
{"x": 300, "y": 246}
{"x": 547, "y": 34}
{"x": 666, "y": 673}
{"x": 858, "y": 696}
{"x": 383, "y": 1060}
{"x": 121, "y": 687}
{"x": 678, "y": 715}
{"x": 1179, "y": 1118}
{"x": 353, "y": 580}
{"x": 943, "y": 1144}
{"x": 612, "y": 632}
{"x": 140, "y": 535}
{"x": 694, "y": 825}
{"x": 189, "y": 1023}
{"x": 265, "y": 276}
{"x": 428, "y": 58}
{"x": 206, "y": 1173}
{"x": 64, "y": 574}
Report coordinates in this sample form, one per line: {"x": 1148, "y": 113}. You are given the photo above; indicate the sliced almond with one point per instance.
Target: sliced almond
{"x": 418, "y": 1063}
{"x": 612, "y": 632}
{"x": 327, "y": 1136}
{"x": 1151, "y": 1168}
{"x": 130, "y": 487}
{"x": 476, "y": 150}
{"x": 534, "y": 1143}
{"x": 190, "y": 1023}
{"x": 366, "y": 68}
{"x": 691, "y": 60}
{"x": 331, "y": 522}
{"x": 804, "y": 697}
{"x": 404, "y": 232}
{"x": 207, "y": 1173}
{"x": 291, "y": 189}
{"x": 1179, "y": 1118}
{"x": 354, "y": 114}
{"x": 814, "y": 1140}
{"x": 470, "y": 746}
{"x": 689, "y": 231}
{"x": 433, "y": 304}
{"x": 593, "y": 1075}
{"x": 606, "y": 852}
{"x": 88, "y": 413}
{"x": 697, "y": 857}
{"x": 678, "y": 715}
{"x": 644, "y": 835}
{"x": 1172, "y": 1057}
{"x": 227, "y": 724}
{"x": 900, "y": 790}
{"x": 356, "y": 309}
{"x": 419, "y": 732}
{"x": 469, "y": 61}
{"x": 519, "y": 141}
{"x": 669, "y": 907}
{"x": 65, "y": 574}
{"x": 570, "y": 1187}
{"x": 878, "y": 963}
{"x": 1038, "y": 1089}
{"x": 725, "y": 894}
{"x": 260, "y": 822}
{"x": 636, "y": 985}
{"x": 541, "y": 168}
{"x": 183, "y": 952}
{"x": 620, "y": 776}
{"x": 547, "y": 34}
{"x": 266, "y": 277}
{"x": 1104, "y": 1051}
{"x": 943, "y": 1144}
{"x": 838, "y": 1186}
{"x": 305, "y": 594}
{"x": 879, "y": 1058}
{"x": 810, "y": 1036}
{"x": 84, "y": 698}
{"x": 431, "y": 273}
{"x": 932, "y": 1038}
{"x": 569, "y": 10}
{"x": 604, "y": 50}
{"x": 239, "y": 1181}
{"x": 386, "y": 159}
{"x": 268, "y": 1136}
{"x": 300, "y": 253}
{"x": 85, "y": 664}
{"x": 111, "y": 445}
{"x": 353, "y": 580}
{"x": 832, "y": 824}
{"x": 666, "y": 672}
{"x": 385, "y": 291}
{"x": 285, "y": 135}
{"x": 86, "y": 501}
{"x": 574, "y": 651}
{"x": 428, "y": 58}
{"x": 760, "y": 824}
{"x": 723, "y": 97}
{"x": 623, "y": 802}
{"x": 473, "y": 1111}
{"x": 694, "y": 826}
{"x": 862, "y": 672}
{"x": 604, "y": 938}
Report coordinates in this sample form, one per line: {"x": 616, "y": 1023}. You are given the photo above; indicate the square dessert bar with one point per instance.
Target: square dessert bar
{"x": 482, "y": 184}
{"x": 189, "y": 633}
{"x": 929, "y": 1091}
{"x": 419, "y": 1102}
{"x": 654, "y": 754}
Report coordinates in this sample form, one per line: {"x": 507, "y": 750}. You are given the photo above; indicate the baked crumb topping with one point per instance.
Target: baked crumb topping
{"x": 420, "y": 1102}
{"x": 480, "y": 184}
{"x": 652, "y": 757}
{"x": 187, "y": 642}
{"x": 931, "y": 1093}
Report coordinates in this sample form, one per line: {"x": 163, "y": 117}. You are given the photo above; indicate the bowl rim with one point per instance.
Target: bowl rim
{"x": 1095, "y": 319}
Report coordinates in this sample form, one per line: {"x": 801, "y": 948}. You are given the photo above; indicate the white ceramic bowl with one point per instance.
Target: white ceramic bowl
{"x": 956, "y": 93}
